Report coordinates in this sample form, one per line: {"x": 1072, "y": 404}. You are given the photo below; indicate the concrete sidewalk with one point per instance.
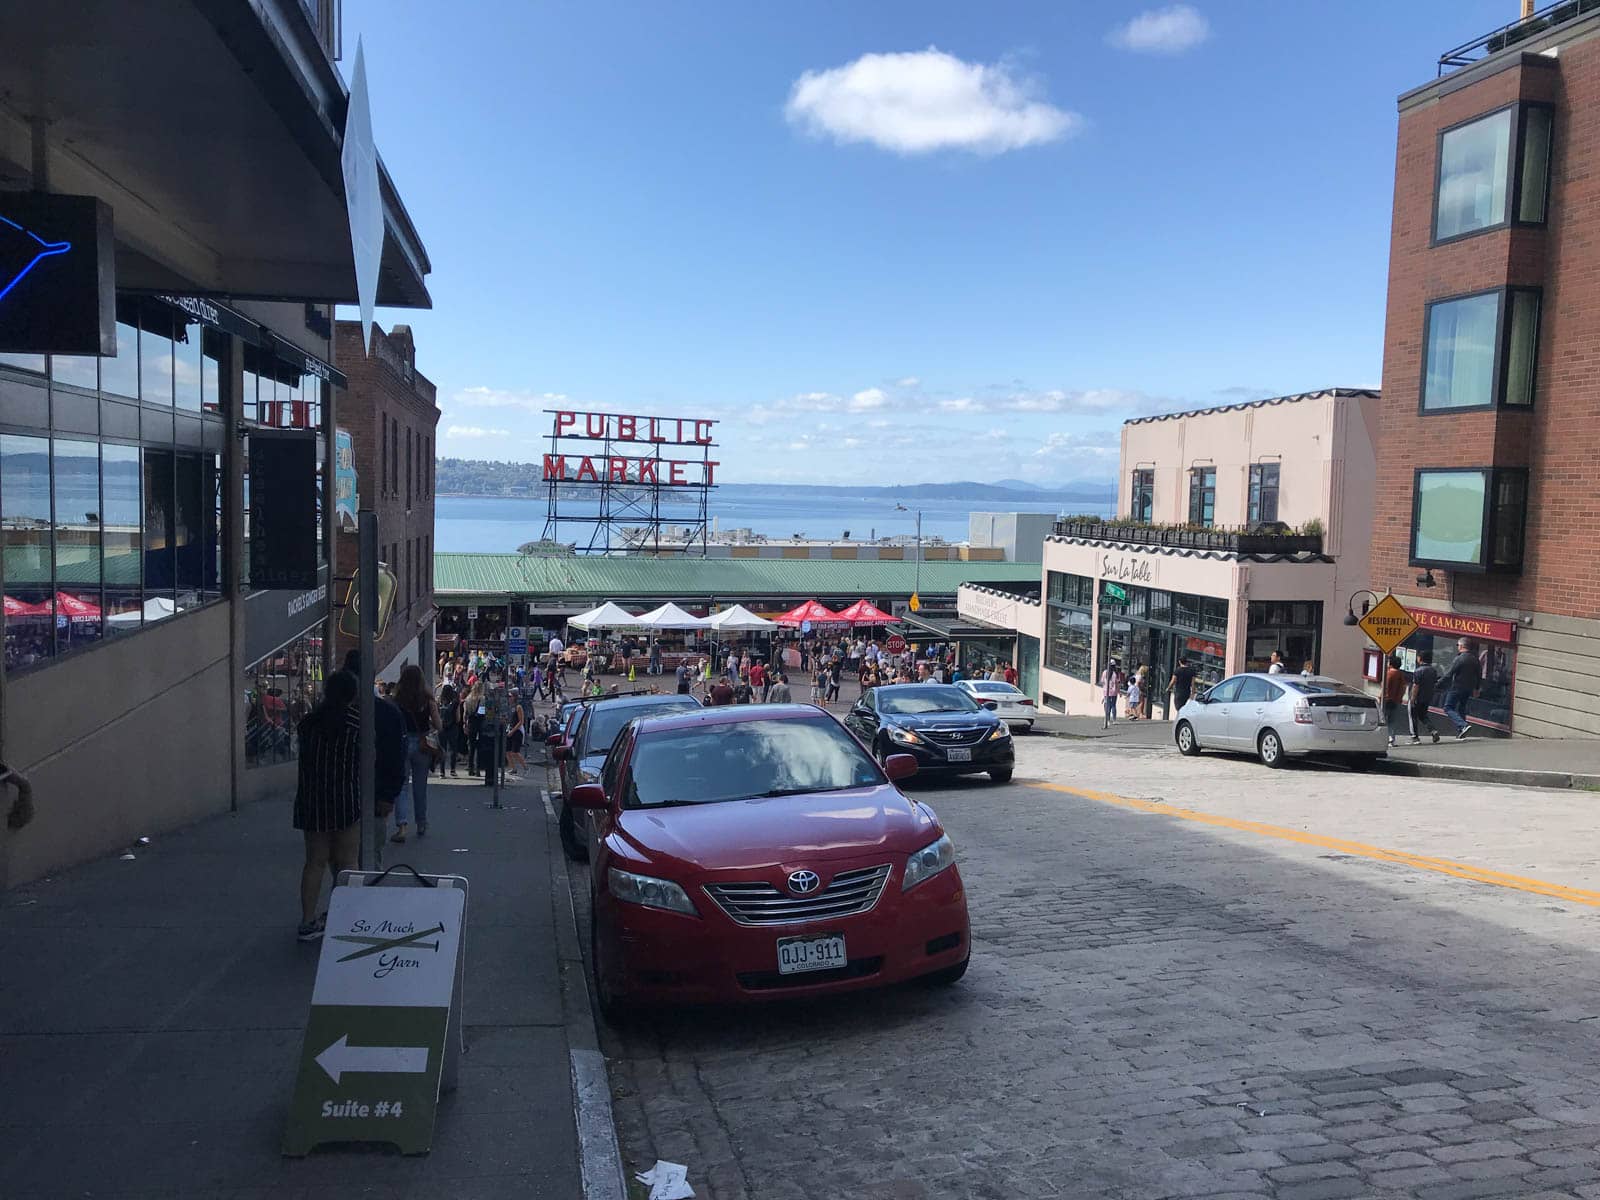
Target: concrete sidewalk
{"x": 152, "y": 1011}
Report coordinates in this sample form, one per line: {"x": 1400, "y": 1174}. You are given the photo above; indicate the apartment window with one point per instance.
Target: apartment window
{"x": 1493, "y": 171}
{"x": 383, "y": 461}
{"x": 394, "y": 457}
{"x": 1480, "y": 350}
{"x": 408, "y": 468}
{"x": 1263, "y": 493}
{"x": 1143, "y": 502}
{"x": 1202, "y": 495}
{"x": 1469, "y": 519}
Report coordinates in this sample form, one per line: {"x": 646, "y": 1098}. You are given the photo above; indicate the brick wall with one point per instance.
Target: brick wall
{"x": 1559, "y": 439}
{"x": 390, "y": 412}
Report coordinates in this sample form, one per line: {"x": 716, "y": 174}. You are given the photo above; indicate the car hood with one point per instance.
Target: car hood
{"x": 940, "y": 720}
{"x": 778, "y": 830}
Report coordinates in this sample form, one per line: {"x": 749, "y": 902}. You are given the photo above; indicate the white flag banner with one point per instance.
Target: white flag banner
{"x": 362, "y": 199}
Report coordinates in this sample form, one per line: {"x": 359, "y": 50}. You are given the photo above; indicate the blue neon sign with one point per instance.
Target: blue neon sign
{"x": 44, "y": 250}
{"x": 58, "y": 277}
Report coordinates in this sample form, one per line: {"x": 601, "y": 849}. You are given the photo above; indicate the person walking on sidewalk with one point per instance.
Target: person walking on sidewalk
{"x": 327, "y": 798}
{"x": 1110, "y": 690}
{"x": 1461, "y": 683}
{"x": 476, "y": 711}
{"x": 1182, "y": 684}
{"x": 778, "y": 693}
{"x": 422, "y": 725}
{"x": 1424, "y": 684}
{"x": 449, "y": 728}
{"x": 1395, "y": 716}
{"x": 514, "y": 739}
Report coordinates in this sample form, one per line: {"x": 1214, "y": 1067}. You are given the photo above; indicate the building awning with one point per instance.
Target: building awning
{"x": 213, "y": 129}
{"x": 917, "y": 628}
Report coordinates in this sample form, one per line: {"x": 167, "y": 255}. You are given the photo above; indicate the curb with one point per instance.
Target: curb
{"x": 599, "y": 1154}
{"x": 1503, "y": 775}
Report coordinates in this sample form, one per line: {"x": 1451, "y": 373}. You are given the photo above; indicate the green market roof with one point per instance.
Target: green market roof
{"x": 459, "y": 578}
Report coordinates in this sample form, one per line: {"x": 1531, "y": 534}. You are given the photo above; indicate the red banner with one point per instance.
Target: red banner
{"x": 1464, "y": 626}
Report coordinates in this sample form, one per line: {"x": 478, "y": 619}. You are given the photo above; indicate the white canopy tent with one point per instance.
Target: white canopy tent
{"x": 670, "y": 616}
{"x": 739, "y": 619}
{"x": 155, "y": 609}
{"x": 607, "y": 616}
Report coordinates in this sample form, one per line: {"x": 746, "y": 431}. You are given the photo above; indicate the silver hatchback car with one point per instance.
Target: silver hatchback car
{"x": 1278, "y": 716}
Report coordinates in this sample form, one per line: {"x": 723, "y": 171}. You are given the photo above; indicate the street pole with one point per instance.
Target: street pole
{"x": 917, "y": 586}
{"x": 367, "y": 613}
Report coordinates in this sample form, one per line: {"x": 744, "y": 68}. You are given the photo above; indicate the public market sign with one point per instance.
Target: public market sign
{"x": 375, "y": 1042}
{"x": 616, "y": 433}
{"x": 1388, "y": 624}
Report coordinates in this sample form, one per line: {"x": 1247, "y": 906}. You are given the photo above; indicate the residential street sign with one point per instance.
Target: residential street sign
{"x": 1388, "y": 624}
{"x": 376, "y": 1041}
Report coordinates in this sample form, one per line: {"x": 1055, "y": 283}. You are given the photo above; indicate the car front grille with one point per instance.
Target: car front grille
{"x": 759, "y": 903}
{"x": 955, "y": 737}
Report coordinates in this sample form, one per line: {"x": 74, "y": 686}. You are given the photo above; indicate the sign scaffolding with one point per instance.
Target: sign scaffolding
{"x": 622, "y": 478}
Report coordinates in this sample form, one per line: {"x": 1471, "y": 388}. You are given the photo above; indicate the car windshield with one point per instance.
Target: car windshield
{"x": 995, "y": 689}
{"x": 1317, "y": 687}
{"x": 911, "y": 701}
{"x": 708, "y": 764}
{"x": 607, "y": 720}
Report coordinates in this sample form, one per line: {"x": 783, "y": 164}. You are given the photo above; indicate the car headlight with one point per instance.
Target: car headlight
{"x": 929, "y": 861}
{"x": 1001, "y": 732}
{"x": 904, "y": 736}
{"x": 649, "y": 891}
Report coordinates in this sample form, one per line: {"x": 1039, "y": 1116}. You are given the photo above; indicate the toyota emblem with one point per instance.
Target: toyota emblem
{"x": 802, "y": 883}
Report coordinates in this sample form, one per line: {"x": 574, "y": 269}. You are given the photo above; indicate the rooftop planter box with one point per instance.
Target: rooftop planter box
{"x": 1227, "y": 541}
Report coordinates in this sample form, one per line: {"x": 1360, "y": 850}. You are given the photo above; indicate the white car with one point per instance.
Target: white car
{"x": 1012, "y": 705}
{"x": 1278, "y": 716}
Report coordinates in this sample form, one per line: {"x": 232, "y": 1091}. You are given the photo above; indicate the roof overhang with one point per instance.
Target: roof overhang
{"x": 213, "y": 128}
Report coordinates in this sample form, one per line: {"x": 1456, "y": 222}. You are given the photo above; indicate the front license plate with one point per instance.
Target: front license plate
{"x": 799, "y": 954}
{"x": 957, "y": 754}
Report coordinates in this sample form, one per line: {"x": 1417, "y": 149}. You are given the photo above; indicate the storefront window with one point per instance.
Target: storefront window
{"x": 160, "y": 567}
{"x": 188, "y": 370}
{"x": 279, "y": 691}
{"x": 119, "y": 375}
{"x": 1068, "y": 638}
{"x": 1292, "y": 628}
{"x": 25, "y": 521}
{"x": 155, "y": 356}
{"x": 122, "y": 537}
{"x": 74, "y": 371}
{"x": 1497, "y": 661}
{"x": 76, "y": 468}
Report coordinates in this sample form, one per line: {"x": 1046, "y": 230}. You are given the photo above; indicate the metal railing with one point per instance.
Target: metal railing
{"x": 1228, "y": 541}
{"x": 1550, "y": 17}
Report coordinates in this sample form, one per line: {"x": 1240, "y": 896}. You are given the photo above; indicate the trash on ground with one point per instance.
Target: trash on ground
{"x": 667, "y": 1181}
{"x": 1260, "y": 1112}
{"x": 128, "y": 857}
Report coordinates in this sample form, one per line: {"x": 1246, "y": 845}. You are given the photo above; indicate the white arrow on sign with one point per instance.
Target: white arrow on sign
{"x": 342, "y": 1056}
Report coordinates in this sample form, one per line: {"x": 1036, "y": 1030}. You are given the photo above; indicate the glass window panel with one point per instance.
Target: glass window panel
{"x": 160, "y": 563}
{"x": 250, "y": 392}
{"x": 1510, "y": 503}
{"x": 25, "y": 362}
{"x": 119, "y": 375}
{"x": 189, "y": 529}
{"x": 188, "y": 368}
{"x": 1535, "y": 165}
{"x": 213, "y": 347}
{"x": 1449, "y": 520}
{"x": 279, "y": 691}
{"x": 1461, "y": 342}
{"x": 1473, "y": 171}
{"x": 77, "y": 493}
{"x": 25, "y": 525}
{"x": 76, "y": 370}
{"x": 1523, "y": 347}
{"x": 155, "y": 359}
{"x": 121, "y": 537}
{"x": 211, "y": 563}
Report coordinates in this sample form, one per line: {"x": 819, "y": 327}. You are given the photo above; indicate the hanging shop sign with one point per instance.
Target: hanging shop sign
{"x": 616, "y": 434}
{"x": 58, "y": 281}
{"x": 1464, "y": 626}
{"x": 1125, "y": 569}
{"x": 350, "y": 612}
{"x": 283, "y": 508}
{"x": 346, "y": 497}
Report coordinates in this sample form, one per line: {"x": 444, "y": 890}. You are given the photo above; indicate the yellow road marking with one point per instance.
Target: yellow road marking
{"x": 1443, "y": 866}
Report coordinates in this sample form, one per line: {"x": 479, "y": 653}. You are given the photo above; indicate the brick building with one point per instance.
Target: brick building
{"x": 1487, "y": 505}
{"x": 389, "y": 411}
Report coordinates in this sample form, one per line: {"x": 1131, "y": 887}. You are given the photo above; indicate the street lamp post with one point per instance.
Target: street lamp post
{"x": 916, "y": 587}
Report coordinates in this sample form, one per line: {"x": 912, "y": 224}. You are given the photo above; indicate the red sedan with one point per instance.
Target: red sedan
{"x": 758, "y": 852}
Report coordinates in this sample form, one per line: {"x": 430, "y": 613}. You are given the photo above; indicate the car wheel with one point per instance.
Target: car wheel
{"x": 1187, "y": 742}
{"x": 1002, "y": 774}
{"x": 570, "y": 845}
{"x": 612, "y": 1005}
{"x": 948, "y": 975}
{"x": 1270, "y": 747}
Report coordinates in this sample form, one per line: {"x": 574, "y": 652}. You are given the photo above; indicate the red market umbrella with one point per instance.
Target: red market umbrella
{"x": 76, "y": 609}
{"x": 21, "y": 608}
{"x": 865, "y": 612}
{"x": 812, "y": 610}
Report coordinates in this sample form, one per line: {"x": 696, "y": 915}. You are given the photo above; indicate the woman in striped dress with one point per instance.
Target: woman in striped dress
{"x": 327, "y": 802}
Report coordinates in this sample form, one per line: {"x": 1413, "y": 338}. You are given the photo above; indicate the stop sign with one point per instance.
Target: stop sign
{"x": 897, "y": 644}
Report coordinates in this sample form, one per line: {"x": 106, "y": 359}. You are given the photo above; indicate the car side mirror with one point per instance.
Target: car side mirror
{"x": 553, "y": 740}
{"x": 1204, "y": 697}
{"x": 899, "y": 766}
{"x": 561, "y": 752}
{"x": 588, "y": 795}
{"x": 991, "y": 705}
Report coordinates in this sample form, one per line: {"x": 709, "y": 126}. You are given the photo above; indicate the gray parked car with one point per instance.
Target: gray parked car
{"x": 1278, "y": 716}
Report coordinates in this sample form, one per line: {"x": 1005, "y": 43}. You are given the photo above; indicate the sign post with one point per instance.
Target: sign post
{"x": 517, "y": 642}
{"x": 385, "y": 1023}
{"x": 1388, "y": 624}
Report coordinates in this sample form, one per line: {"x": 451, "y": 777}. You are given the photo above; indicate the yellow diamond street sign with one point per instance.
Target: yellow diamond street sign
{"x": 1389, "y": 624}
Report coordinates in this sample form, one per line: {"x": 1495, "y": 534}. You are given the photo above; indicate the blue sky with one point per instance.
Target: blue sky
{"x": 895, "y": 242}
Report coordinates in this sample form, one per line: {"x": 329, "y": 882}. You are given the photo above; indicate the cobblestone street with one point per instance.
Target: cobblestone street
{"x": 1177, "y": 1003}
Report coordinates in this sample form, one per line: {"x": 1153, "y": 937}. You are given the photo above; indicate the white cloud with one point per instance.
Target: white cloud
{"x": 475, "y": 431}
{"x": 1170, "y": 30}
{"x": 910, "y": 381}
{"x": 869, "y": 399}
{"x": 921, "y": 101}
{"x": 487, "y": 397}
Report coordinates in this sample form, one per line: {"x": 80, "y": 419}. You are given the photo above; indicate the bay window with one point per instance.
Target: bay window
{"x": 1493, "y": 171}
{"x": 1468, "y": 518}
{"x": 1480, "y": 350}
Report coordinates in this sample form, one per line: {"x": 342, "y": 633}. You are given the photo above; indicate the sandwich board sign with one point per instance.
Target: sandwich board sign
{"x": 385, "y": 1024}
